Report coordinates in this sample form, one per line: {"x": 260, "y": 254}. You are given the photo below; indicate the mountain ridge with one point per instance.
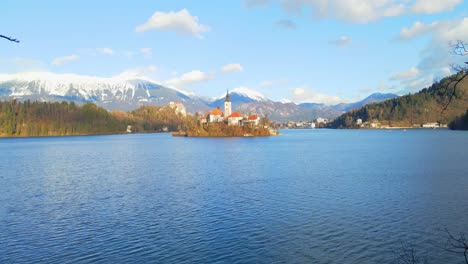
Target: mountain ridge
{"x": 128, "y": 92}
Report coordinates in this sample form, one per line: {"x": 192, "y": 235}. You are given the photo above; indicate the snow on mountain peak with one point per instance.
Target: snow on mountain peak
{"x": 70, "y": 78}
{"x": 244, "y": 91}
{"x": 61, "y": 84}
{"x": 286, "y": 101}
{"x": 249, "y": 93}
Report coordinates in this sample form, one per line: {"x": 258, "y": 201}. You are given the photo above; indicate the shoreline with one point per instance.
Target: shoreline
{"x": 82, "y": 135}
{"x": 184, "y": 134}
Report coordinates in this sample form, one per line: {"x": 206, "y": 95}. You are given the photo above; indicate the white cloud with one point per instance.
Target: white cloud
{"x": 65, "y": 59}
{"x": 190, "y": 78}
{"x": 436, "y": 57}
{"x": 417, "y": 29}
{"x": 106, "y": 51}
{"x": 181, "y": 22}
{"x": 437, "y": 54}
{"x": 417, "y": 84}
{"x": 342, "y": 41}
{"x": 353, "y": 11}
{"x": 362, "y": 11}
{"x": 381, "y": 88}
{"x": 412, "y": 73}
{"x": 446, "y": 71}
{"x": 434, "y": 6}
{"x": 414, "y": 79}
{"x": 147, "y": 52}
{"x": 233, "y": 67}
{"x": 306, "y": 95}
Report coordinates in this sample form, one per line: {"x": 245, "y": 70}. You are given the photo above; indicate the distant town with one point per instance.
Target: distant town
{"x": 323, "y": 122}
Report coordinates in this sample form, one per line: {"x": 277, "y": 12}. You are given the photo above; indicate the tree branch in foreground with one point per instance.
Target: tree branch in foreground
{"x": 10, "y": 39}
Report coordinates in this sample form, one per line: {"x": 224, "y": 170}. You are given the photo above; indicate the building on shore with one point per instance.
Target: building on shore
{"x": 179, "y": 108}
{"x": 431, "y": 125}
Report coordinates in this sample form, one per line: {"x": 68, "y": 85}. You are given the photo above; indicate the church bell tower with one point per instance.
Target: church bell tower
{"x": 227, "y": 105}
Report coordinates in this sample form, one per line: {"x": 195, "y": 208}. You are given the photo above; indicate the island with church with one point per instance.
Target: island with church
{"x": 217, "y": 123}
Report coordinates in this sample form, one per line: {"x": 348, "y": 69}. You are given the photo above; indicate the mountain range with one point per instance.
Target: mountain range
{"x": 130, "y": 92}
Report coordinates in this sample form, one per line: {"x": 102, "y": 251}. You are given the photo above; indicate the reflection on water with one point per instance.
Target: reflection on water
{"x": 314, "y": 196}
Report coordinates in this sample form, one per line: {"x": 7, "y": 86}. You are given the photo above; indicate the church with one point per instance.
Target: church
{"x": 229, "y": 117}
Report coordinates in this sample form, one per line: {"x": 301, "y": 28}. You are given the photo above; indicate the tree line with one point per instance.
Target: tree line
{"x": 28, "y": 118}
{"x": 428, "y": 105}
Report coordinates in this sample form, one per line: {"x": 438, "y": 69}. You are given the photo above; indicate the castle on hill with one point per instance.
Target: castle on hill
{"x": 229, "y": 117}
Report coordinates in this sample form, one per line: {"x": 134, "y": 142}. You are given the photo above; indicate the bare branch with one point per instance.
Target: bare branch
{"x": 454, "y": 91}
{"x": 407, "y": 255}
{"x": 460, "y": 48}
{"x": 10, "y": 39}
{"x": 458, "y": 245}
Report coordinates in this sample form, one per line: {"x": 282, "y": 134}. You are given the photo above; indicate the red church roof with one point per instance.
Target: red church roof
{"x": 216, "y": 111}
{"x": 236, "y": 114}
{"x": 253, "y": 117}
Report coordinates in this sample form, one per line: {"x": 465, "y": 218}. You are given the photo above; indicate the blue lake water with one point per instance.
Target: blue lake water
{"x": 307, "y": 196}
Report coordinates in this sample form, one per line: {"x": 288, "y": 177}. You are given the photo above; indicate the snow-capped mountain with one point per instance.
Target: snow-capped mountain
{"x": 238, "y": 96}
{"x": 124, "y": 92}
{"x": 248, "y": 93}
{"x": 128, "y": 92}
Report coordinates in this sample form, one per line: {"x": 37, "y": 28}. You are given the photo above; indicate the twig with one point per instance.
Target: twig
{"x": 10, "y": 39}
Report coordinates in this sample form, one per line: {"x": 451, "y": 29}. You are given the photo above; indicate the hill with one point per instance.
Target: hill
{"x": 411, "y": 110}
{"x": 22, "y": 119}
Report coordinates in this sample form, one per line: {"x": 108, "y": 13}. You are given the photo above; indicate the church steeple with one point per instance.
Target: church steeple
{"x": 228, "y": 97}
{"x": 227, "y": 105}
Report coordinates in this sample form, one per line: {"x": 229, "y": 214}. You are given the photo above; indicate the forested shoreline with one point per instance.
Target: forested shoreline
{"x": 431, "y": 104}
{"x": 25, "y": 119}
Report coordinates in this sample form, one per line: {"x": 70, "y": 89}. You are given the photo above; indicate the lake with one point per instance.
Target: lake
{"x": 307, "y": 196}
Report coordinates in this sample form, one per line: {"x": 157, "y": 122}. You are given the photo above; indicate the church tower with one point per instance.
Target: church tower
{"x": 227, "y": 105}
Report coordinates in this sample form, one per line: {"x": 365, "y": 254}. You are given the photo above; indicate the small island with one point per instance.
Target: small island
{"x": 227, "y": 124}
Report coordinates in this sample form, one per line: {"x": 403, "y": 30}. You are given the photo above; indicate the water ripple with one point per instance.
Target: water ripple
{"x": 307, "y": 197}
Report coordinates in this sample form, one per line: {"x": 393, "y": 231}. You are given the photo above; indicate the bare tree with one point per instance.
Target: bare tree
{"x": 10, "y": 39}
{"x": 460, "y": 48}
{"x": 407, "y": 255}
{"x": 458, "y": 245}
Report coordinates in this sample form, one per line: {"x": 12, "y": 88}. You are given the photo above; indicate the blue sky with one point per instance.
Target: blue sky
{"x": 300, "y": 50}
